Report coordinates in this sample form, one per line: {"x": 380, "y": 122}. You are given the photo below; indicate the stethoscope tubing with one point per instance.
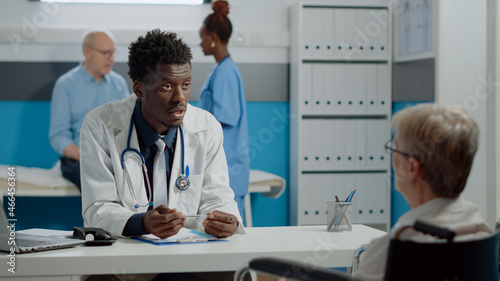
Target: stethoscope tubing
{"x": 182, "y": 182}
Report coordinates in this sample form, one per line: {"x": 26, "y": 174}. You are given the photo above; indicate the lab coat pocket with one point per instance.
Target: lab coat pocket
{"x": 190, "y": 199}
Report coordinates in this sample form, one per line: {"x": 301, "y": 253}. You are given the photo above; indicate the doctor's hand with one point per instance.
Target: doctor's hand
{"x": 162, "y": 222}
{"x": 220, "y": 224}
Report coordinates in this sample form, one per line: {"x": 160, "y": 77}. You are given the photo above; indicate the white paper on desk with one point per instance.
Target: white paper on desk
{"x": 185, "y": 235}
{"x": 46, "y": 232}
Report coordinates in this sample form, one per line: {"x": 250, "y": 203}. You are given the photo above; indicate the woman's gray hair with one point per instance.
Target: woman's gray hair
{"x": 444, "y": 139}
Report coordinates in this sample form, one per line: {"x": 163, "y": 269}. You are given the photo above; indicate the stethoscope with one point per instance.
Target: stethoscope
{"x": 182, "y": 182}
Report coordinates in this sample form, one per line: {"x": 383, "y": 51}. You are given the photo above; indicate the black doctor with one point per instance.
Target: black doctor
{"x": 125, "y": 200}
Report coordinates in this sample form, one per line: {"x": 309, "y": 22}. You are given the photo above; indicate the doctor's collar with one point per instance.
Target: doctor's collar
{"x": 147, "y": 134}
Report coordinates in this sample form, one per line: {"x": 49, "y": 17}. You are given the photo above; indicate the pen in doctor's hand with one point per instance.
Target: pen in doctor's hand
{"x": 195, "y": 216}
{"x": 162, "y": 221}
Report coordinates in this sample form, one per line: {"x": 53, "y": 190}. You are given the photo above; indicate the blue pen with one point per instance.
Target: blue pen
{"x": 187, "y": 171}
{"x": 349, "y": 199}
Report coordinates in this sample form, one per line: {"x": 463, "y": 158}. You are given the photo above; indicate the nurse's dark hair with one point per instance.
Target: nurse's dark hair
{"x": 156, "y": 47}
{"x": 218, "y": 22}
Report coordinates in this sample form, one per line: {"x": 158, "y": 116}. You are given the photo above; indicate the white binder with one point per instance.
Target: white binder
{"x": 315, "y": 190}
{"x": 317, "y": 87}
{"x": 328, "y": 31}
{"x": 364, "y": 200}
{"x": 328, "y": 154}
{"x": 329, "y": 89}
{"x": 371, "y": 145}
{"x": 349, "y": 143}
{"x": 348, "y": 40}
{"x": 383, "y": 88}
{"x": 378, "y": 28}
{"x": 356, "y": 80}
{"x": 338, "y": 137}
{"x": 317, "y": 31}
{"x": 360, "y": 39}
{"x": 371, "y": 90}
{"x": 305, "y": 198}
{"x": 307, "y": 32}
{"x": 381, "y": 197}
{"x": 376, "y": 187}
{"x": 361, "y": 197}
{"x": 317, "y": 143}
{"x": 349, "y": 88}
{"x": 384, "y": 38}
{"x": 360, "y": 142}
{"x": 383, "y": 136}
{"x": 306, "y": 148}
{"x": 306, "y": 88}
{"x": 360, "y": 96}
{"x": 339, "y": 35}
{"x": 339, "y": 87}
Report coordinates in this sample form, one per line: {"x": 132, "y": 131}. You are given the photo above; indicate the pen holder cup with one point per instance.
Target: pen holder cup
{"x": 339, "y": 216}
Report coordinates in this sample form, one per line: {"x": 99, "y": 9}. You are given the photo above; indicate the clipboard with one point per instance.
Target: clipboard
{"x": 184, "y": 236}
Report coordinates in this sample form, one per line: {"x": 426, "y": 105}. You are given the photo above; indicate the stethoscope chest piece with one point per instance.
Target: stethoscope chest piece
{"x": 182, "y": 183}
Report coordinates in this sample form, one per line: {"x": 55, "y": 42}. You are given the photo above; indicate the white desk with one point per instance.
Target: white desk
{"x": 310, "y": 244}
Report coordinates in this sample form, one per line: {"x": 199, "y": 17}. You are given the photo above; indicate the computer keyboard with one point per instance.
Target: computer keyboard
{"x": 31, "y": 243}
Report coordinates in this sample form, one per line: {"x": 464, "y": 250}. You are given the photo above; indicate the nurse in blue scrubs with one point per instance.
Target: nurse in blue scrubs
{"x": 223, "y": 95}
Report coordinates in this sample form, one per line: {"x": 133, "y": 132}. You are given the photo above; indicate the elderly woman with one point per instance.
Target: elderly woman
{"x": 432, "y": 155}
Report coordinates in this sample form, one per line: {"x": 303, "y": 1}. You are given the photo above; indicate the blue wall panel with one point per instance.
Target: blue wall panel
{"x": 269, "y": 138}
{"x": 25, "y": 134}
{"x": 399, "y": 206}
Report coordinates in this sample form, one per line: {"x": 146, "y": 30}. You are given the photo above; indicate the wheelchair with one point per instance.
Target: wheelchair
{"x": 407, "y": 260}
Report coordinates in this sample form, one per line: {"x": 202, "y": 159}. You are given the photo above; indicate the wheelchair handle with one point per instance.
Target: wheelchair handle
{"x": 433, "y": 230}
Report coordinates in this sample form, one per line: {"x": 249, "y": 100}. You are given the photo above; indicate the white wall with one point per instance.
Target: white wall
{"x": 461, "y": 69}
{"x": 52, "y": 32}
{"x": 36, "y": 31}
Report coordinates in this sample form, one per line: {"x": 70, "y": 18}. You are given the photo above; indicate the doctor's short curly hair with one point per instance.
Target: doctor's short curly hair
{"x": 156, "y": 47}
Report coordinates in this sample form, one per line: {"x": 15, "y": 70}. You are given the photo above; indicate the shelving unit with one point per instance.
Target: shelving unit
{"x": 340, "y": 108}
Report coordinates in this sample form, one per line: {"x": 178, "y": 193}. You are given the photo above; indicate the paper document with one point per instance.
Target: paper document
{"x": 184, "y": 235}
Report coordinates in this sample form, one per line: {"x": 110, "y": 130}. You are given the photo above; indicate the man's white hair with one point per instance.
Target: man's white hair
{"x": 89, "y": 37}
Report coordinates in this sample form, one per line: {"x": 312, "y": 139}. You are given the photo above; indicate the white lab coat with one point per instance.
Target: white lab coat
{"x": 106, "y": 199}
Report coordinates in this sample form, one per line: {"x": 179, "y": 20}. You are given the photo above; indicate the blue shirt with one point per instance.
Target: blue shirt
{"x": 75, "y": 94}
{"x": 223, "y": 95}
{"x": 148, "y": 137}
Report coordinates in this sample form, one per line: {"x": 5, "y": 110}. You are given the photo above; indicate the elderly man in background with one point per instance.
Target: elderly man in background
{"x": 78, "y": 91}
